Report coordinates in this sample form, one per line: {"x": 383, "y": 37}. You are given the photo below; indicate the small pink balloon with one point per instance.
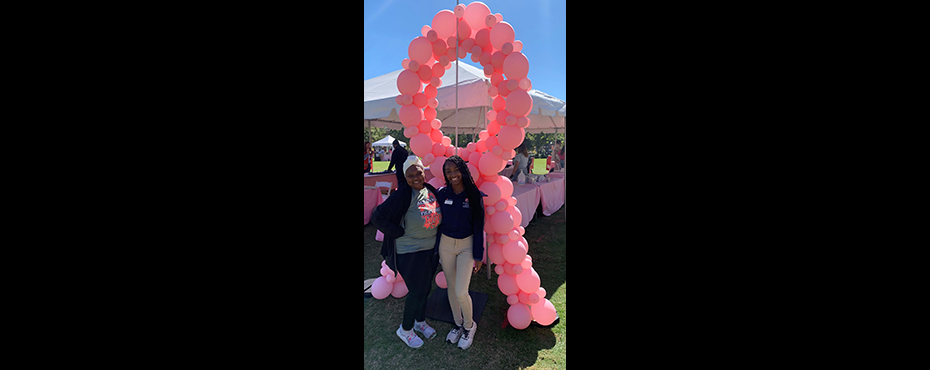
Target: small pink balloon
{"x": 411, "y": 131}
{"x": 430, "y": 91}
{"x": 514, "y": 235}
{"x": 510, "y": 136}
{"x": 512, "y": 299}
{"x": 525, "y": 84}
{"x": 502, "y": 221}
{"x": 439, "y": 48}
{"x": 517, "y": 45}
{"x": 512, "y": 85}
{"x": 450, "y": 151}
{"x": 438, "y": 150}
{"x": 483, "y": 38}
{"x": 522, "y": 122}
{"x": 421, "y": 144}
{"x": 425, "y": 74}
{"x": 490, "y": 20}
{"x": 405, "y": 63}
{"x": 446, "y": 140}
{"x": 413, "y": 66}
{"x": 406, "y": 99}
{"x": 517, "y": 270}
{"x": 533, "y": 298}
{"x": 511, "y": 120}
{"x": 497, "y": 60}
{"x": 437, "y": 182}
{"x": 501, "y": 204}
{"x": 493, "y": 192}
{"x": 493, "y": 127}
{"x": 433, "y": 103}
{"x": 497, "y": 150}
{"x": 519, "y": 315}
{"x": 507, "y": 48}
{"x": 464, "y": 30}
{"x": 419, "y": 100}
{"x": 492, "y": 90}
{"x": 428, "y": 158}
{"x": 435, "y": 124}
{"x": 438, "y": 71}
{"x": 502, "y": 239}
{"x": 429, "y": 113}
{"x": 430, "y": 34}
{"x": 441, "y": 280}
{"x": 473, "y": 159}
{"x": 489, "y": 210}
{"x": 459, "y": 10}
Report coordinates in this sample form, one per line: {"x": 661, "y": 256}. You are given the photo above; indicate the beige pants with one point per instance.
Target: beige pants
{"x": 455, "y": 255}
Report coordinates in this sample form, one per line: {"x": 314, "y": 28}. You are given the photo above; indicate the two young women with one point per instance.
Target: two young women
{"x": 420, "y": 222}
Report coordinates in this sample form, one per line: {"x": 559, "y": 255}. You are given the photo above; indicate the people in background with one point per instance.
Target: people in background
{"x": 368, "y": 156}
{"x": 520, "y": 162}
{"x": 397, "y": 161}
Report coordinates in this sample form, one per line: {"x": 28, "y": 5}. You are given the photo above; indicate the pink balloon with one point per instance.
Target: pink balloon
{"x": 512, "y": 299}
{"x": 475, "y": 14}
{"x": 438, "y": 150}
{"x": 491, "y": 189}
{"x": 399, "y": 290}
{"x": 516, "y": 66}
{"x": 420, "y": 49}
{"x": 472, "y": 169}
{"x": 497, "y": 60}
{"x": 528, "y": 281}
{"x": 441, "y": 280}
{"x": 437, "y": 182}
{"x": 500, "y": 33}
{"x": 544, "y": 312}
{"x": 411, "y": 131}
{"x": 489, "y": 164}
{"x": 506, "y": 187}
{"x": 514, "y": 251}
{"x": 419, "y": 100}
{"x": 420, "y": 144}
{"x": 446, "y": 140}
{"x": 502, "y": 222}
{"x": 517, "y": 45}
{"x": 444, "y": 23}
{"x": 425, "y": 74}
{"x": 519, "y": 315}
{"x": 507, "y": 284}
{"x": 517, "y": 215}
{"x": 459, "y": 10}
{"x": 483, "y": 38}
{"x": 464, "y": 30}
{"x": 439, "y": 48}
{"x": 380, "y": 288}
{"x": 438, "y": 71}
{"x": 490, "y": 20}
{"x": 424, "y": 126}
{"x": 427, "y": 159}
{"x": 408, "y": 83}
{"x": 494, "y": 128}
{"x": 510, "y": 137}
{"x": 436, "y": 167}
{"x": 430, "y": 34}
{"x": 495, "y": 253}
{"x": 435, "y": 136}
{"x": 473, "y": 159}
{"x": 410, "y": 115}
{"x": 450, "y": 151}
{"x": 507, "y": 48}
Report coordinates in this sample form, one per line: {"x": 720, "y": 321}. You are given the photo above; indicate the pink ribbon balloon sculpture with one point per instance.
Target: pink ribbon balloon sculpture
{"x": 491, "y": 42}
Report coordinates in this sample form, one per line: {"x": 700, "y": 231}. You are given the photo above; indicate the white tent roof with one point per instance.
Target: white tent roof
{"x": 547, "y": 115}
{"x": 387, "y": 141}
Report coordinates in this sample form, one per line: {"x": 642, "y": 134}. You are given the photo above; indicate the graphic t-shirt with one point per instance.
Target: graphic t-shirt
{"x": 421, "y": 223}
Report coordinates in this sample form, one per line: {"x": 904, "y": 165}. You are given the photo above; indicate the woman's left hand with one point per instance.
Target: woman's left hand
{"x": 477, "y": 267}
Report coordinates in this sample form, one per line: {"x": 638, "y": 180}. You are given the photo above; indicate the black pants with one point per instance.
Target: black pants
{"x": 417, "y": 270}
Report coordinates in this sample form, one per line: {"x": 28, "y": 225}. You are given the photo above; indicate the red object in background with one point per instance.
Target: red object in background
{"x": 549, "y": 163}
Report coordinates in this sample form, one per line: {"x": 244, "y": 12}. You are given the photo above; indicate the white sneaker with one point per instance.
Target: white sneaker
{"x": 424, "y": 329}
{"x": 454, "y": 334}
{"x": 468, "y": 336}
{"x": 409, "y": 337}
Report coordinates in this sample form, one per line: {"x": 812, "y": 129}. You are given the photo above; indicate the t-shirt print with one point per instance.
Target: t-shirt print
{"x": 429, "y": 211}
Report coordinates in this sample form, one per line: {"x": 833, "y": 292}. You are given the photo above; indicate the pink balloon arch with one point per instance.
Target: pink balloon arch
{"x": 491, "y": 42}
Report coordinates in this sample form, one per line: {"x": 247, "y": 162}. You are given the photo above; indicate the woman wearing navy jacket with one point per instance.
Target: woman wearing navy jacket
{"x": 461, "y": 244}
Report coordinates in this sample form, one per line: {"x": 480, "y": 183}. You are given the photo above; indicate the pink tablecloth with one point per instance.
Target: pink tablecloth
{"x": 372, "y": 200}
{"x": 527, "y": 200}
{"x": 371, "y": 179}
{"x": 551, "y": 195}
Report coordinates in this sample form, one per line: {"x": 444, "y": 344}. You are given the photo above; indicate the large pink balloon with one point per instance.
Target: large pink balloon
{"x": 421, "y": 145}
{"x": 399, "y": 290}
{"x": 506, "y": 186}
{"x": 501, "y": 32}
{"x": 444, "y": 24}
{"x": 489, "y": 164}
{"x": 408, "y": 82}
{"x": 544, "y": 312}
{"x": 514, "y": 251}
{"x": 502, "y": 222}
{"x": 491, "y": 189}
{"x": 516, "y": 66}
{"x": 507, "y": 284}
{"x": 380, "y": 289}
{"x": 528, "y": 281}
{"x": 517, "y": 216}
{"x": 475, "y": 14}
{"x": 420, "y": 50}
{"x": 495, "y": 253}
{"x": 510, "y": 137}
{"x": 519, "y": 103}
{"x": 436, "y": 167}
{"x": 410, "y": 115}
{"x": 437, "y": 182}
{"x": 519, "y": 315}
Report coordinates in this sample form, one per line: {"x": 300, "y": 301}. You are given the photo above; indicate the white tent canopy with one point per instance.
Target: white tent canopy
{"x": 547, "y": 115}
{"x": 387, "y": 141}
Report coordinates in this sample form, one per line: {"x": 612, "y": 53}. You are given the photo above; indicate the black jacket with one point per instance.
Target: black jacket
{"x": 386, "y": 217}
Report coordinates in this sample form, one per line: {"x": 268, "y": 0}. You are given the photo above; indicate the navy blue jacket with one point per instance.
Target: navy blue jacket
{"x": 457, "y": 221}
{"x": 386, "y": 217}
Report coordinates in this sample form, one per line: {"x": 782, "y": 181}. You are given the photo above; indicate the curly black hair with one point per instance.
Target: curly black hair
{"x": 471, "y": 190}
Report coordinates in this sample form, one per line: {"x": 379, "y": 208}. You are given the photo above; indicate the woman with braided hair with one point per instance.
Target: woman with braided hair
{"x": 461, "y": 244}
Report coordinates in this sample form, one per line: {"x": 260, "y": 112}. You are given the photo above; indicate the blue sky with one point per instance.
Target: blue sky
{"x": 390, "y": 25}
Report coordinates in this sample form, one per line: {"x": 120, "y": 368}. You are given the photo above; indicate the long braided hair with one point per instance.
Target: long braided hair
{"x": 471, "y": 190}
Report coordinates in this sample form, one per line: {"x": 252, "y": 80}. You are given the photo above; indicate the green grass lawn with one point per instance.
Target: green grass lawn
{"x": 494, "y": 347}
{"x": 539, "y": 166}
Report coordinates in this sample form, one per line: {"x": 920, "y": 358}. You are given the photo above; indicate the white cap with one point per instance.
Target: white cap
{"x": 412, "y": 160}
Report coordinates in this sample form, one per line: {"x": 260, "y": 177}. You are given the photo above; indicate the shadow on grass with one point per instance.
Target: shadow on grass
{"x": 494, "y": 346}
